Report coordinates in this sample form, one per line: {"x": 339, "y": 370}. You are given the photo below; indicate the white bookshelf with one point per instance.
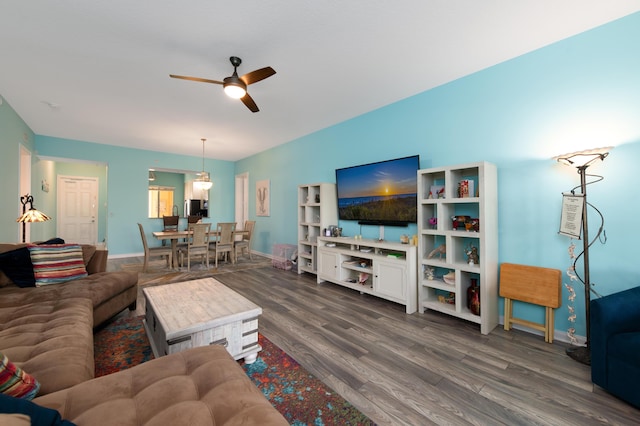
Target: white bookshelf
{"x": 480, "y": 205}
{"x": 317, "y": 210}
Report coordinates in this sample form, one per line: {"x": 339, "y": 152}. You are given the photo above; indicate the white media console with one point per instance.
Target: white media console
{"x": 380, "y": 268}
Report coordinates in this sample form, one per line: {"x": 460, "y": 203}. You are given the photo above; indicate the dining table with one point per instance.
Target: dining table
{"x": 174, "y": 235}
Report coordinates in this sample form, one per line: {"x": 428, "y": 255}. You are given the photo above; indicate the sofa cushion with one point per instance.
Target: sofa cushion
{"x": 16, "y": 265}
{"x": 57, "y": 263}
{"x": 15, "y": 259}
{"x": 14, "y": 381}
{"x": 54, "y": 240}
{"x": 36, "y": 415}
{"x": 109, "y": 292}
{"x": 88, "y": 251}
{"x": 200, "y": 386}
{"x": 53, "y": 341}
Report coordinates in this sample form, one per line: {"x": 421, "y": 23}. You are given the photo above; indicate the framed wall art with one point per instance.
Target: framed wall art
{"x": 262, "y": 197}
{"x": 571, "y": 216}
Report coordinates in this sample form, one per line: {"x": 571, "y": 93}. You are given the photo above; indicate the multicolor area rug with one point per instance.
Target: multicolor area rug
{"x": 119, "y": 345}
{"x": 298, "y": 395}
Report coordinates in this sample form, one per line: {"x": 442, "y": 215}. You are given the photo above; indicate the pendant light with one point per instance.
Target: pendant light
{"x": 203, "y": 182}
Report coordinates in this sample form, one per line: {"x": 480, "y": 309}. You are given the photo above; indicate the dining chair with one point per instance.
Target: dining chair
{"x": 190, "y": 219}
{"x": 170, "y": 223}
{"x": 150, "y": 252}
{"x": 197, "y": 243}
{"x": 224, "y": 241}
{"x": 245, "y": 243}
{"x": 193, "y": 219}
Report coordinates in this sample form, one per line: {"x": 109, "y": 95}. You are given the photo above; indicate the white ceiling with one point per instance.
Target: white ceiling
{"x": 99, "y": 70}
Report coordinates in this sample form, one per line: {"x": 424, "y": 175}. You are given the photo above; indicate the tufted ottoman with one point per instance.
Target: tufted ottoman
{"x": 200, "y": 386}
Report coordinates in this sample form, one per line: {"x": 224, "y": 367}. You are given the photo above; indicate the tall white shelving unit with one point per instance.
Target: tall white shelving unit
{"x": 317, "y": 210}
{"x": 451, "y": 245}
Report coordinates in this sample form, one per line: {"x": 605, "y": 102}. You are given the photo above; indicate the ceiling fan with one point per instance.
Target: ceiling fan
{"x": 234, "y": 86}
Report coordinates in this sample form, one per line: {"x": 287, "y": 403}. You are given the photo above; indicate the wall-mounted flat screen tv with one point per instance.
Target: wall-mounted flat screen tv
{"x": 382, "y": 193}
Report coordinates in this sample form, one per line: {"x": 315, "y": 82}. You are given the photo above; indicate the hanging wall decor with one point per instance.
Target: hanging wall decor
{"x": 262, "y": 197}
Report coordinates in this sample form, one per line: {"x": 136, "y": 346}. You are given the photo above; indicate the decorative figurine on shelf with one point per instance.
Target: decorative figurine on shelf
{"x": 450, "y": 278}
{"x": 472, "y": 255}
{"x": 362, "y": 278}
{"x": 472, "y": 225}
{"x": 436, "y": 191}
{"x": 428, "y": 272}
{"x": 440, "y": 250}
{"x": 459, "y": 221}
{"x": 433, "y": 222}
{"x": 450, "y": 299}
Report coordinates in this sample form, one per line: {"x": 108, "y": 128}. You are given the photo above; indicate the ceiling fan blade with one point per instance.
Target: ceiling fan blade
{"x": 202, "y": 80}
{"x": 249, "y": 102}
{"x": 257, "y": 75}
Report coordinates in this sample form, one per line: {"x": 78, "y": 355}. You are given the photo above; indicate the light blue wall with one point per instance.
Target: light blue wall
{"x": 13, "y": 133}
{"x": 583, "y": 92}
{"x": 128, "y": 182}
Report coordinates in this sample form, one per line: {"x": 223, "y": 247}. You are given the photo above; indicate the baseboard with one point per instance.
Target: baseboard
{"x": 559, "y": 335}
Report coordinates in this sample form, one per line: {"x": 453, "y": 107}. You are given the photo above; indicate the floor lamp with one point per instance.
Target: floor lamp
{"x": 581, "y": 161}
{"x": 29, "y": 216}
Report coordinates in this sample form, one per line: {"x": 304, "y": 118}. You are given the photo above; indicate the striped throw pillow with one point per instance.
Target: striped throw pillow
{"x": 57, "y": 263}
{"x": 15, "y": 382}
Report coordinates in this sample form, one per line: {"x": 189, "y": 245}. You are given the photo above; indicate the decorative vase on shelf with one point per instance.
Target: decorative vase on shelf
{"x": 473, "y": 297}
{"x": 471, "y": 290}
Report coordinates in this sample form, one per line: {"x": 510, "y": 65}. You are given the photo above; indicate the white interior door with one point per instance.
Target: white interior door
{"x": 242, "y": 199}
{"x": 77, "y": 209}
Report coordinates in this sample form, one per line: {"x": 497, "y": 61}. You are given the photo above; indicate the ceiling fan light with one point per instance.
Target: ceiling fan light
{"x": 234, "y": 90}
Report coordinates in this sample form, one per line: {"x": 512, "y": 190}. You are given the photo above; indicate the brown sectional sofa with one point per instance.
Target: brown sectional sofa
{"x": 203, "y": 386}
{"x": 48, "y": 332}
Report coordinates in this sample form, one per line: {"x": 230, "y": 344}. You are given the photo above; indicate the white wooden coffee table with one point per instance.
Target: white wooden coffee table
{"x": 198, "y": 313}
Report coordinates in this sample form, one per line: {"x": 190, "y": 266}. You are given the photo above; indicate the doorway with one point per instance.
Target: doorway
{"x": 77, "y": 211}
{"x": 242, "y": 199}
{"x": 25, "y": 188}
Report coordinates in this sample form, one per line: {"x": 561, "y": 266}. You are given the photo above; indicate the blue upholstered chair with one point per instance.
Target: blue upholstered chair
{"x": 615, "y": 344}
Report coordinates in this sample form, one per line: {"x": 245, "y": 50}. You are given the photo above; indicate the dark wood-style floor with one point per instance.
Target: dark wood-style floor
{"x": 421, "y": 369}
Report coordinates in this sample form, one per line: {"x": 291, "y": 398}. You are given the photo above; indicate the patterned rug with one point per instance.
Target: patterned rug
{"x": 119, "y": 345}
{"x": 298, "y": 395}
